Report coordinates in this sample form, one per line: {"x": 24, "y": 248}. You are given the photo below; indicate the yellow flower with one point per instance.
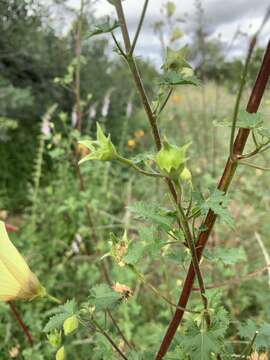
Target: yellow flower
{"x": 176, "y": 99}
{"x": 16, "y": 279}
{"x": 139, "y": 133}
{"x": 131, "y": 143}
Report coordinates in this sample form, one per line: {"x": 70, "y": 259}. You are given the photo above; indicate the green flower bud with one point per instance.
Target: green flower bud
{"x": 60, "y": 355}
{"x": 100, "y": 149}
{"x": 71, "y": 324}
{"x": 171, "y": 160}
{"x": 187, "y": 72}
{"x": 186, "y": 176}
{"x": 54, "y": 338}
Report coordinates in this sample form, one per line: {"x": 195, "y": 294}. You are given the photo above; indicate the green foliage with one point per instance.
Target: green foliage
{"x": 202, "y": 343}
{"x": 226, "y": 256}
{"x": 106, "y": 27}
{"x": 217, "y": 202}
{"x": 155, "y": 214}
{"x": 248, "y": 329}
{"x": 102, "y": 297}
{"x": 61, "y": 313}
{"x": 177, "y": 70}
{"x": 76, "y": 208}
{"x": 245, "y": 120}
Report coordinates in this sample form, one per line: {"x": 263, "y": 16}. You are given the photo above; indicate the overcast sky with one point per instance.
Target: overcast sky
{"x": 223, "y": 18}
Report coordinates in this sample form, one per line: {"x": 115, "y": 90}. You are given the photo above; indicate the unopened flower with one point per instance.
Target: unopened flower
{"x": 71, "y": 324}
{"x": 16, "y": 279}
{"x": 100, "y": 149}
{"x": 186, "y": 176}
{"x": 61, "y": 354}
{"x": 171, "y": 159}
{"x": 119, "y": 248}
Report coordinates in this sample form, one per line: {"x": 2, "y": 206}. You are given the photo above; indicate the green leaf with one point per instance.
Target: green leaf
{"x": 245, "y": 120}
{"x": 217, "y": 202}
{"x": 228, "y": 256}
{"x": 155, "y": 214}
{"x": 62, "y": 313}
{"x": 248, "y": 120}
{"x": 200, "y": 343}
{"x": 174, "y": 78}
{"x": 103, "y": 297}
{"x": 134, "y": 253}
{"x": 105, "y": 27}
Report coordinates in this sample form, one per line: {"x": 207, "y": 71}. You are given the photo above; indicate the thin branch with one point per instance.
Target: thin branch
{"x": 165, "y": 101}
{"x": 137, "y": 168}
{"x": 139, "y": 27}
{"x": 107, "y": 336}
{"x": 265, "y": 253}
{"x": 240, "y": 92}
{"x": 21, "y": 323}
{"x": 254, "y": 166}
{"x": 118, "y": 46}
{"x": 235, "y": 281}
{"x": 120, "y": 332}
{"x": 195, "y": 261}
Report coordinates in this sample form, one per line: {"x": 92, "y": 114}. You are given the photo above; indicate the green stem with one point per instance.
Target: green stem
{"x": 249, "y": 347}
{"x": 239, "y": 94}
{"x": 142, "y": 278}
{"x": 165, "y": 101}
{"x": 253, "y": 166}
{"x": 118, "y": 46}
{"x": 195, "y": 261}
{"x": 137, "y": 168}
{"x": 53, "y": 299}
{"x": 139, "y": 27}
{"x": 107, "y": 336}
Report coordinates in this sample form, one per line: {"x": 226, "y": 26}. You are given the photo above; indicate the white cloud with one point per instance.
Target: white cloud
{"x": 222, "y": 17}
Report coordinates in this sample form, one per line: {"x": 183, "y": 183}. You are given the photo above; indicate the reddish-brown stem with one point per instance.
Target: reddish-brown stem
{"x": 21, "y": 323}
{"x": 224, "y": 183}
{"x": 11, "y": 228}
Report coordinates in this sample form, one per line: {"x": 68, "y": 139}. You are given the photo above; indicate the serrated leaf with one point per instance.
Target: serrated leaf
{"x": 175, "y": 78}
{"x": 103, "y": 297}
{"x": 134, "y": 253}
{"x": 245, "y": 120}
{"x": 228, "y": 256}
{"x": 62, "y": 312}
{"x": 56, "y": 322}
{"x": 217, "y": 202}
{"x": 200, "y": 343}
{"x": 155, "y": 214}
{"x": 106, "y": 27}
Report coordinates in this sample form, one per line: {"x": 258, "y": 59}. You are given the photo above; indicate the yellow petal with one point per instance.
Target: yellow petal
{"x": 16, "y": 279}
